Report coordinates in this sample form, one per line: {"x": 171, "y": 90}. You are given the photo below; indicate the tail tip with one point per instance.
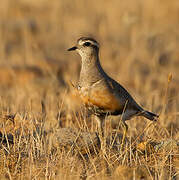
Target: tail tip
{"x": 151, "y": 116}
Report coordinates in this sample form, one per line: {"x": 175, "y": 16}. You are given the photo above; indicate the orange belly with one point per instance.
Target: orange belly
{"x": 102, "y": 99}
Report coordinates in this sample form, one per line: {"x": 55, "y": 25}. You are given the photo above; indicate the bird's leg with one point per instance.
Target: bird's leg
{"x": 125, "y": 129}
{"x": 127, "y": 115}
{"x": 101, "y": 129}
{"x": 101, "y": 125}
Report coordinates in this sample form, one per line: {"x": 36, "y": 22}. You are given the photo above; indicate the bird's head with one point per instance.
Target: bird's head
{"x": 86, "y": 47}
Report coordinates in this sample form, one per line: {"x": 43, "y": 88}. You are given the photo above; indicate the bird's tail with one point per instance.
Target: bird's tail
{"x": 149, "y": 115}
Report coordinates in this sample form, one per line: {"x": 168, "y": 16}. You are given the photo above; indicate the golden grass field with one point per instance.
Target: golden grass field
{"x": 139, "y": 48}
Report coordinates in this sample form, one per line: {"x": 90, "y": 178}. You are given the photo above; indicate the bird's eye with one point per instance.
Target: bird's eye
{"x": 87, "y": 44}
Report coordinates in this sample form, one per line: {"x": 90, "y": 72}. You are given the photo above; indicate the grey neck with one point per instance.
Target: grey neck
{"x": 91, "y": 70}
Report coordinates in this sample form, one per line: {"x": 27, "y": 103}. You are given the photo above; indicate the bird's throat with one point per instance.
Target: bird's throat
{"x": 90, "y": 71}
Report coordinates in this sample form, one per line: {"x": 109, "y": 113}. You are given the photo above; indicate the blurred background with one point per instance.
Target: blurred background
{"x": 139, "y": 48}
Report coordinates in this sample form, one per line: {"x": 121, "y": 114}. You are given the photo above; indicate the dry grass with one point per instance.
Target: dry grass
{"x": 139, "y": 47}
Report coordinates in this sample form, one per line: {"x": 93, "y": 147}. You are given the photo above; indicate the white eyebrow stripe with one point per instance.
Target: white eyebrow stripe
{"x": 81, "y": 42}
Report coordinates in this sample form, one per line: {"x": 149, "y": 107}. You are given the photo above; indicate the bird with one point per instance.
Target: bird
{"x": 102, "y": 95}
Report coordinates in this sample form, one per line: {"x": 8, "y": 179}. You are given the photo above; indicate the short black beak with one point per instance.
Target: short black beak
{"x": 72, "y": 49}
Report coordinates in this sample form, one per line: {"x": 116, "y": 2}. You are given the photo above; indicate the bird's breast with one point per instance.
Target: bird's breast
{"x": 102, "y": 98}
